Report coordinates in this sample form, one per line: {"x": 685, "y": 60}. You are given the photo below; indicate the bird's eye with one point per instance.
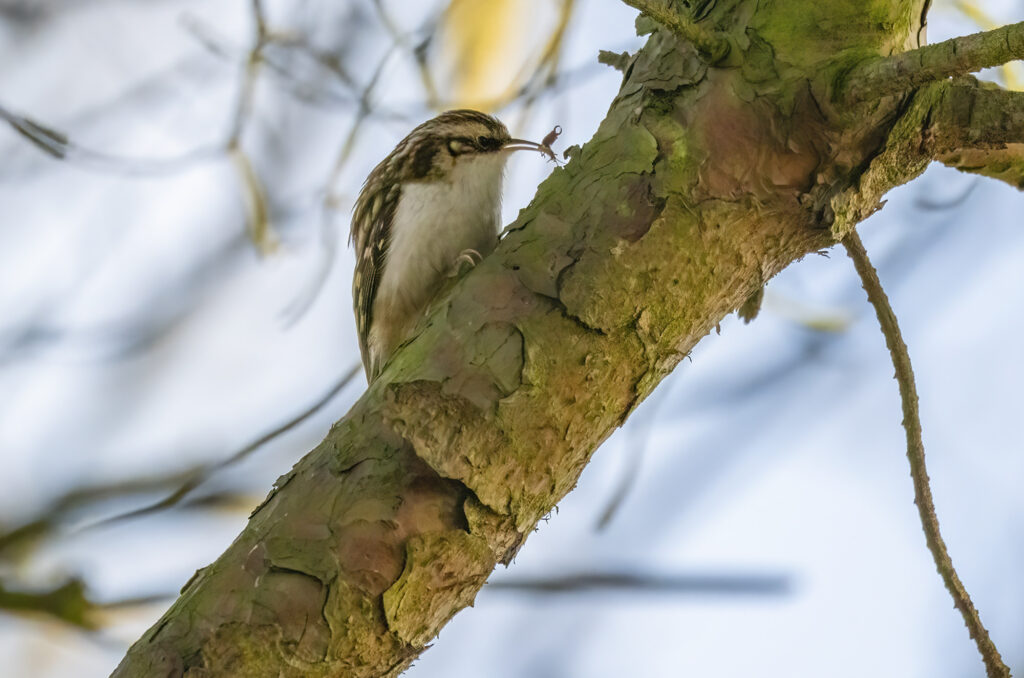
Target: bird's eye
{"x": 488, "y": 143}
{"x": 459, "y": 146}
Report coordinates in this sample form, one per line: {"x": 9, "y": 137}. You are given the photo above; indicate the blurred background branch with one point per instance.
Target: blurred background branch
{"x": 640, "y": 582}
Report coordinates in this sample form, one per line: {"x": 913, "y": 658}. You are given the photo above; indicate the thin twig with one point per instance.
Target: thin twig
{"x": 416, "y": 49}
{"x": 915, "y": 454}
{"x": 712, "y": 45}
{"x": 260, "y": 18}
{"x": 204, "y": 472}
{"x": 958, "y": 56}
{"x": 247, "y": 90}
{"x": 56, "y": 144}
{"x": 305, "y": 300}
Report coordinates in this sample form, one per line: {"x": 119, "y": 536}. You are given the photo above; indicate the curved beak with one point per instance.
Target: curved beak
{"x": 524, "y": 145}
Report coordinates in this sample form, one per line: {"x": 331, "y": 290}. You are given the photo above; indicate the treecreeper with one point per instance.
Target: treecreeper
{"x": 428, "y": 211}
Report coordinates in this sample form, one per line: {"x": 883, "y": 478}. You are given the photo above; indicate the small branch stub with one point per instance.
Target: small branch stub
{"x": 617, "y": 60}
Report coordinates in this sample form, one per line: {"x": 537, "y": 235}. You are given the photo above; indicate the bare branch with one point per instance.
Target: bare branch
{"x": 19, "y": 541}
{"x": 416, "y": 49}
{"x": 201, "y": 474}
{"x": 365, "y": 109}
{"x": 67, "y": 602}
{"x": 259, "y": 18}
{"x": 957, "y": 56}
{"x": 712, "y": 45}
{"x": 638, "y": 440}
{"x": 931, "y": 204}
{"x": 58, "y": 145}
{"x": 640, "y": 582}
{"x": 254, "y": 196}
{"x": 179, "y": 485}
{"x": 972, "y": 10}
{"x": 915, "y": 454}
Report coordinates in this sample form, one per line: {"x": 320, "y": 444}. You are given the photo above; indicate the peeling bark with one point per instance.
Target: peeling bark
{"x": 702, "y": 183}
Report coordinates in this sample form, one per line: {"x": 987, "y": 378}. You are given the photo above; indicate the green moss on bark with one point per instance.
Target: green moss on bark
{"x": 438, "y": 581}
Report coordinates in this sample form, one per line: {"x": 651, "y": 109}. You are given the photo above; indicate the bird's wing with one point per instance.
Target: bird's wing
{"x": 371, "y": 233}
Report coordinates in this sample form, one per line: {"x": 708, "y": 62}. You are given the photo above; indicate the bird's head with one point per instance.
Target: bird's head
{"x": 458, "y": 138}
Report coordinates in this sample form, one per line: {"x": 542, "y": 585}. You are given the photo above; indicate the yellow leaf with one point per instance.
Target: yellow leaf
{"x": 493, "y": 48}
{"x": 483, "y": 47}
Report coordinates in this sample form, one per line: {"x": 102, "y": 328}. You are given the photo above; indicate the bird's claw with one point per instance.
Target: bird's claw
{"x": 465, "y": 262}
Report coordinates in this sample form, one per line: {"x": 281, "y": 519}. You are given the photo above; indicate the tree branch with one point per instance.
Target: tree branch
{"x": 66, "y": 602}
{"x": 978, "y": 128}
{"x": 957, "y": 56}
{"x": 973, "y": 126}
{"x": 915, "y": 454}
{"x": 712, "y": 45}
{"x": 1004, "y": 164}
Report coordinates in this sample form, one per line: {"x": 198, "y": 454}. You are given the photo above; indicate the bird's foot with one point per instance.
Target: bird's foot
{"x": 465, "y": 262}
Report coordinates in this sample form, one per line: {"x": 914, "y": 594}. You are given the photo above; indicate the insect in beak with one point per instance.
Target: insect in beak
{"x": 524, "y": 145}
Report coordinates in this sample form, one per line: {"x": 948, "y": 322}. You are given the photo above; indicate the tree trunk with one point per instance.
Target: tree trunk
{"x": 716, "y": 167}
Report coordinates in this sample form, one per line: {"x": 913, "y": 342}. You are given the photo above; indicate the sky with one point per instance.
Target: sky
{"x": 142, "y": 332}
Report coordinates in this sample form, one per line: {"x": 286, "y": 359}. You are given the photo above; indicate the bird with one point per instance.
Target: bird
{"x": 425, "y": 212}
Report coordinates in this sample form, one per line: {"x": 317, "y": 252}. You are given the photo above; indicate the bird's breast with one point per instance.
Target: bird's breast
{"x": 434, "y": 222}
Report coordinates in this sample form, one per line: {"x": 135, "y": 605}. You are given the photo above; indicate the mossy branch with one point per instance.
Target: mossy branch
{"x": 994, "y": 665}
{"x": 978, "y": 128}
{"x": 1004, "y": 164}
{"x": 713, "y": 46}
{"x": 957, "y": 56}
{"x": 972, "y": 126}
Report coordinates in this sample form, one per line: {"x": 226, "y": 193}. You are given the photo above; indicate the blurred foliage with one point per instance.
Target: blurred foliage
{"x": 496, "y": 51}
{"x": 482, "y": 43}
